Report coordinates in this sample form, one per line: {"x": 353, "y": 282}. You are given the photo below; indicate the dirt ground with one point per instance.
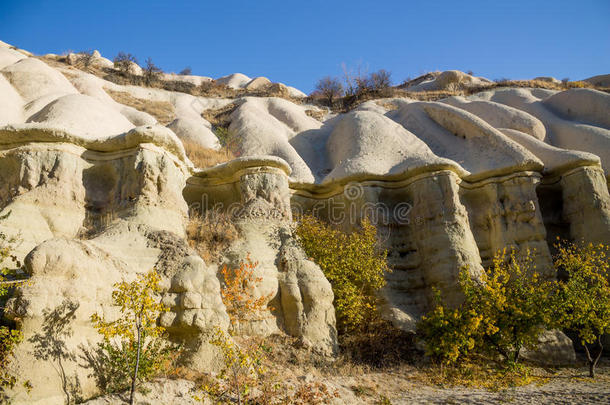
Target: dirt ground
{"x": 559, "y": 386}
{"x": 408, "y": 385}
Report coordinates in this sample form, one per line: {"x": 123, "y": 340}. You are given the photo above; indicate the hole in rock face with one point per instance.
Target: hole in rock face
{"x": 100, "y": 183}
{"x": 550, "y": 199}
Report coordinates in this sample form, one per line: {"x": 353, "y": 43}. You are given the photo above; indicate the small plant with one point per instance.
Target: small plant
{"x": 237, "y": 293}
{"x": 583, "y": 300}
{"x": 353, "y": 263}
{"x": 578, "y": 85}
{"x": 9, "y": 339}
{"x": 246, "y": 377}
{"x": 502, "y": 313}
{"x": 383, "y": 400}
{"x": 140, "y": 351}
{"x": 243, "y": 364}
{"x": 312, "y": 393}
{"x": 222, "y": 133}
{"x": 7, "y": 275}
{"x": 123, "y": 61}
{"x": 242, "y": 371}
{"x": 86, "y": 58}
{"x": 380, "y": 80}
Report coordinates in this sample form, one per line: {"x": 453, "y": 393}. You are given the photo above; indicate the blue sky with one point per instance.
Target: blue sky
{"x": 297, "y": 42}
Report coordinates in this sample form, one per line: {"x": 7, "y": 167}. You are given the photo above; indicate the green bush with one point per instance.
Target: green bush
{"x": 502, "y": 313}
{"x": 132, "y": 349}
{"x": 449, "y": 334}
{"x": 353, "y": 263}
{"x": 582, "y": 302}
{"x": 222, "y": 133}
{"x": 513, "y": 302}
{"x": 9, "y": 339}
{"x": 117, "y": 361}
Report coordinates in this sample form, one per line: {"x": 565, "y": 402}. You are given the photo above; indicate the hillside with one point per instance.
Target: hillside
{"x": 105, "y": 177}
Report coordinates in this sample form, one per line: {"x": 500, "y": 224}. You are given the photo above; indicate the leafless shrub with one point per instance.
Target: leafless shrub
{"x": 379, "y": 80}
{"x": 152, "y": 72}
{"x": 123, "y": 61}
{"x": 330, "y": 88}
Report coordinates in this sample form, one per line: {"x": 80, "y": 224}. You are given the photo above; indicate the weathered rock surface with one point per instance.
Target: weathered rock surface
{"x": 256, "y": 194}
{"x": 99, "y": 192}
{"x": 554, "y": 349}
{"x": 448, "y": 80}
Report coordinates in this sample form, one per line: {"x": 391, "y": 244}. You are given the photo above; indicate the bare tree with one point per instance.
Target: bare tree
{"x": 186, "y": 71}
{"x": 123, "y": 60}
{"x": 330, "y": 88}
{"x": 355, "y": 79}
{"x": 151, "y": 72}
{"x": 379, "y": 80}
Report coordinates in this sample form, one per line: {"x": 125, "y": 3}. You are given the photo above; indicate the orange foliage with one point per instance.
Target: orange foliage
{"x": 237, "y": 293}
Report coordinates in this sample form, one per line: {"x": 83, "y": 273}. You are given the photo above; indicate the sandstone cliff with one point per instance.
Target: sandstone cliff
{"x": 99, "y": 191}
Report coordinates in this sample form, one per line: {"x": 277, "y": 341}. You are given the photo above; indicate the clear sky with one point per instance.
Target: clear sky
{"x": 297, "y": 42}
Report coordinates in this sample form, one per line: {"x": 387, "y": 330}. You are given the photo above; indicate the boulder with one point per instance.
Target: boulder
{"x": 554, "y": 349}
{"x": 258, "y": 83}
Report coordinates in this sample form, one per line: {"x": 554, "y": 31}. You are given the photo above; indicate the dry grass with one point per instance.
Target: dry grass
{"x": 387, "y": 105}
{"x": 381, "y": 348}
{"x": 220, "y": 117}
{"x": 206, "y": 89}
{"x": 206, "y": 157}
{"x": 211, "y": 234}
{"x": 316, "y": 114}
{"x": 348, "y": 103}
{"x": 415, "y": 376}
{"x": 161, "y": 110}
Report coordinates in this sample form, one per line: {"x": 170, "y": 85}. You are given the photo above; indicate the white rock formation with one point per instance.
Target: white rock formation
{"x": 96, "y": 197}
{"x": 257, "y": 83}
{"x": 235, "y": 80}
{"x": 504, "y": 151}
{"x": 99, "y": 192}
{"x": 448, "y": 80}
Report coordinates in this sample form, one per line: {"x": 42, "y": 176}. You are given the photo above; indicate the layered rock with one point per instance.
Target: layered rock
{"x": 505, "y": 149}
{"x": 99, "y": 192}
{"x": 255, "y": 193}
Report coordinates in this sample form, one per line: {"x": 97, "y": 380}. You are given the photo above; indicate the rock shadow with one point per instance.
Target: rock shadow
{"x": 50, "y": 345}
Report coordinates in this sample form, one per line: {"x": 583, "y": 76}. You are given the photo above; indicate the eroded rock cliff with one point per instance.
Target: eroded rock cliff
{"x": 99, "y": 192}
